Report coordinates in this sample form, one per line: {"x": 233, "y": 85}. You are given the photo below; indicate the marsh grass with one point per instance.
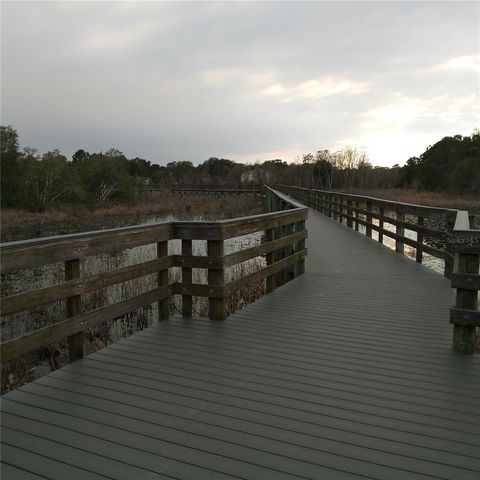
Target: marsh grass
{"x": 432, "y": 199}
{"x": 20, "y": 224}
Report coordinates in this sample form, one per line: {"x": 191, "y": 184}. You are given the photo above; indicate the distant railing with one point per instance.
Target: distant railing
{"x": 284, "y": 249}
{"x": 373, "y": 213}
{"x": 451, "y": 230}
{"x": 217, "y": 190}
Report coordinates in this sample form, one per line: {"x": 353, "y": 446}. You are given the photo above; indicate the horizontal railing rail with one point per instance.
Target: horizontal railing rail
{"x": 458, "y": 244}
{"x": 284, "y": 248}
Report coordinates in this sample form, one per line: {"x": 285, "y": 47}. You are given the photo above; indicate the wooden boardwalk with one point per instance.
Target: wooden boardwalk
{"x": 345, "y": 372}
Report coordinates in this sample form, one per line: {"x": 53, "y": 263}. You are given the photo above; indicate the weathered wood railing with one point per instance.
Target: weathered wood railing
{"x": 284, "y": 249}
{"x": 464, "y": 315}
{"x": 458, "y": 243}
{"x": 373, "y": 213}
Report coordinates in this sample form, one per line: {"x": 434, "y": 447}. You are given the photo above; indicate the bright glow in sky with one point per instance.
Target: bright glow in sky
{"x": 247, "y": 81}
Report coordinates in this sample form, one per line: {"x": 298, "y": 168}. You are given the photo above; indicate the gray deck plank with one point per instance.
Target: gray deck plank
{"x": 345, "y": 372}
{"x": 47, "y": 440}
{"x": 47, "y": 467}
{"x": 252, "y": 433}
{"x": 14, "y": 473}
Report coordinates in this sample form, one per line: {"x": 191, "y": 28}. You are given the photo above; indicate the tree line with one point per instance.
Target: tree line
{"x": 38, "y": 181}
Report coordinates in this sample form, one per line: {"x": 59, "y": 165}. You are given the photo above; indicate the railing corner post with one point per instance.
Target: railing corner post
{"x": 163, "y": 303}
{"x": 465, "y": 315}
{"x": 400, "y": 232}
{"x": 450, "y": 223}
{"x": 349, "y": 213}
{"x": 217, "y": 305}
{"x": 299, "y": 268}
{"x": 186, "y": 279}
{"x": 419, "y": 252}
{"x": 369, "y": 219}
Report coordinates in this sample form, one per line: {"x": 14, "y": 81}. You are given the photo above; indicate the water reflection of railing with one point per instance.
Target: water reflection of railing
{"x": 284, "y": 250}
{"x": 446, "y": 234}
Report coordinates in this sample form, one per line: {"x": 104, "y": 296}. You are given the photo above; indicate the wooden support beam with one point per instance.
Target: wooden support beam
{"x": 380, "y": 224}
{"x": 270, "y": 260}
{"x": 217, "y": 306}
{"x": 464, "y": 336}
{"x": 419, "y": 253}
{"x": 369, "y": 220}
{"x": 400, "y": 231}
{"x": 187, "y": 278}
{"x": 74, "y": 307}
{"x": 163, "y": 303}
{"x": 450, "y": 223}
{"x": 300, "y": 246}
{"x": 349, "y": 213}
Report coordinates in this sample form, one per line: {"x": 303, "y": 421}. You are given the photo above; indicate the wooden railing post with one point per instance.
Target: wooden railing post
{"x": 163, "y": 304}
{"x": 349, "y": 214}
{"x": 464, "y": 332}
{"x": 300, "y": 266}
{"x": 380, "y": 224}
{"x": 186, "y": 278}
{"x": 217, "y": 306}
{"x": 279, "y": 255}
{"x": 73, "y": 307}
{"x": 419, "y": 253}
{"x": 288, "y": 250}
{"x": 270, "y": 259}
{"x": 400, "y": 231}
{"x": 335, "y": 208}
{"x": 368, "y": 227}
{"x": 357, "y": 214}
{"x": 450, "y": 222}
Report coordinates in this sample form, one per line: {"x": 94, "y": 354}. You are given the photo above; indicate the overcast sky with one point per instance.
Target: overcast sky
{"x": 246, "y": 81}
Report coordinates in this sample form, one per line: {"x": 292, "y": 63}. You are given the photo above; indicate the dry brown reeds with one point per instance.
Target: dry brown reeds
{"x": 432, "y": 199}
{"x": 18, "y": 224}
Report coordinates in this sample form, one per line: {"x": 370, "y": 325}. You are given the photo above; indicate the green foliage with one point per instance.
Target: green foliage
{"x": 453, "y": 164}
{"x": 105, "y": 177}
{"x": 46, "y": 180}
{"x": 80, "y": 156}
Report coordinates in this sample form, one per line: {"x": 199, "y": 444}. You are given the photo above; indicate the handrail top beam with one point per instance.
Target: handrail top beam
{"x": 381, "y": 200}
{"x": 167, "y": 228}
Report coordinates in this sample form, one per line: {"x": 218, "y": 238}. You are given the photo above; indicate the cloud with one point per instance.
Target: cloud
{"x": 464, "y": 62}
{"x": 186, "y": 81}
{"x": 403, "y": 111}
{"x": 314, "y": 89}
{"x": 103, "y": 39}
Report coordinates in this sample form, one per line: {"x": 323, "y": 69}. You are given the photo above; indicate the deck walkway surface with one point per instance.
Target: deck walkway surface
{"x": 346, "y": 372}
